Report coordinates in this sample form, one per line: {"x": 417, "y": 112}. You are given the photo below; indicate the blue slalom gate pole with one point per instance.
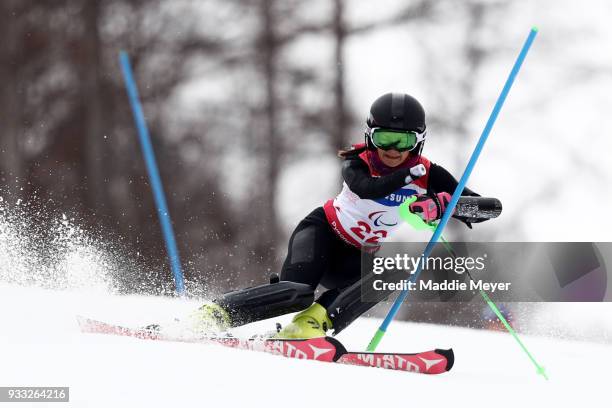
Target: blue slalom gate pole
{"x": 460, "y": 186}
{"x": 152, "y": 169}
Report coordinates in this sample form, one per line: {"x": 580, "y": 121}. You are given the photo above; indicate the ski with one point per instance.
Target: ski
{"x": 325, "y": 349}
{"x": 481, "y": 208}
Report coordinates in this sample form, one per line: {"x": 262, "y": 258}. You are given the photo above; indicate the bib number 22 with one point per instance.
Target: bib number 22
{"x": 364, "y": 230}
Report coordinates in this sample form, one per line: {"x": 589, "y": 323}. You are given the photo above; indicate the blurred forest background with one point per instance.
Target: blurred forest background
{"x": 248, "y": 101}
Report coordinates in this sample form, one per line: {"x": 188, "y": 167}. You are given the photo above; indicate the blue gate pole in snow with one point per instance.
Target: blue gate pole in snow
{"x": 455, "y": 198}
{"x": 152, "y": 169}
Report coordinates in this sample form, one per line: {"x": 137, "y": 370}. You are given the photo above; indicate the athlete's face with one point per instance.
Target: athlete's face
{"x": 392, "y": 158}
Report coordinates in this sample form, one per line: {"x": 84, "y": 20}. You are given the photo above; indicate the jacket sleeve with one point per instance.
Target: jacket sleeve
{"x": 440, "y": 180}
{"x": 357, "y": 176}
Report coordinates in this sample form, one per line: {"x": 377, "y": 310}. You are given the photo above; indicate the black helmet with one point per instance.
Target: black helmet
{"x": 397, "y": 111}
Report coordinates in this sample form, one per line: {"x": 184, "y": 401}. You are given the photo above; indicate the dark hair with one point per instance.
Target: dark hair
{"x": 351, "y": 152}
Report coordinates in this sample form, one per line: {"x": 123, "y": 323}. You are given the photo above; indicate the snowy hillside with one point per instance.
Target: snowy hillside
{"x": 40, "y": 344}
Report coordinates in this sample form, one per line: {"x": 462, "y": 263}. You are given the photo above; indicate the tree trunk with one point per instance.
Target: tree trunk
{"x": 94, "y": 148}
{"x": 339, "y": 123}
{"x": 269, "y": 45}
{"x": 11, "y": 160}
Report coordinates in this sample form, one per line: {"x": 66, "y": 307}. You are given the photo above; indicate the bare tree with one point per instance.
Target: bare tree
{"x": 11, "y": 97}
{"x": 269, "y": 48}
{"x": 341, "y": 117}
{"x": 95, "y": 149}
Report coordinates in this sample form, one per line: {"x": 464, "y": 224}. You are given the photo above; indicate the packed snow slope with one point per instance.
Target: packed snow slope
{"x": 40, "y": 345}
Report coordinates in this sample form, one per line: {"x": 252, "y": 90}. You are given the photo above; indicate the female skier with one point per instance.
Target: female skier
{"x": 324, "y": 249}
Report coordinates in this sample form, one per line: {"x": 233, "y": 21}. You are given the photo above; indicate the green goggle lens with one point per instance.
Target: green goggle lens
{"x": 386, "y": 140}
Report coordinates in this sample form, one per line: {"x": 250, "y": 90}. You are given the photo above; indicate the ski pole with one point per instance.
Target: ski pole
{"x": 460, "y": 186}
{"x": 419, "y": 224}
{"x": 152, "y": 169}
{"x": 539, "y": 369}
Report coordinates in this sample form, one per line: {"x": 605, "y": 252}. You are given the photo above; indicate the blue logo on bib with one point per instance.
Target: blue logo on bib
{"x": 396, "y": 198}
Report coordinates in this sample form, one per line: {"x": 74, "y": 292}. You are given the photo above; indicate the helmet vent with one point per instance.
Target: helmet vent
{"x": 397, "y": 110}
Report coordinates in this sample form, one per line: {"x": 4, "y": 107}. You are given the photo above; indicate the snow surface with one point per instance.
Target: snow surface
{"x": 40, "y": 345}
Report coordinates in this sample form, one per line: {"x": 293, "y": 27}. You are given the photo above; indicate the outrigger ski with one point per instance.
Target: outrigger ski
{"x": 326, "y": 349}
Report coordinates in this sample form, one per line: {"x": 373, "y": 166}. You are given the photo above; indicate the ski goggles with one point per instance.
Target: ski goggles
{"x": 400, "y": 140}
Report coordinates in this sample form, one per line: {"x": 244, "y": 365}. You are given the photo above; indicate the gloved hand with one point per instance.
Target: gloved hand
{"x": 430, "y": 208}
